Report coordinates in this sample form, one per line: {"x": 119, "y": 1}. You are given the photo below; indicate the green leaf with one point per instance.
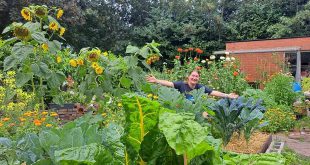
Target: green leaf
{"x": 44, "y": 162}
{"x": 41, "y": 70}
{"x": 56, "y": 79}
{"x": 6, "y": 142}
{"x": 125, "y": 82}
{"x": 6, "y": 29}
{"x": 141, "y": 116}
{"x": 21, "y": 51}
{"x": 183, "y": 134}
{"x": 144, "y": 52}
{"x": 9, "y": 62}
{"x": 132, "y": 49}
{"x": 146, "y": 65}
{"x": 39, "y": 37}
{"x": 30, "y": 148}
{"x": 49, "y": 141}
{"x": 131, "y": 61}
{"x": 54, "y": 46}
{"x": 32, "y": 26}
{"x": 72, "y": 138}
{"x": 23, "y": 78}
{"x": 92, "y": 135}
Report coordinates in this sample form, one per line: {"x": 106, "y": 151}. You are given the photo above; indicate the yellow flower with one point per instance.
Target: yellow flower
{"x": 104, "y": 114}
{"x": 80, "y": 62}
{"x": 1, "y": 124}
{"x": 22, "y": 119}
{"x": 11, "y": 73}
{"x": 150, "y": 95}
{"x": 119, "y": 105}
{"x": 99, "y": 70}
{"x": 48, "y": 125}
{"x": 62, "y": 31}
{"x": 54, "y": 114}
{"x": 44, "y": 113}
{"x": 41, "y": 11}
{"x": 10, "y": 106}
{"x": 105, "y": 53}
{"x": 43, "y": 119}
{"x": 53, "y": 26}
{"x": 26, "y": 14}
{"x": 93, "y": 55}
{"x": 94, "y": 65}
{"x": 6, "y": 119}
{"x": 73, "y": 63}
{"x": 45, "y": 47}
{"x": 155, "y": 97}
{"x": 60, "y": 12}
{"x": 58, "y": 59}
{"x": 37, "y": 122}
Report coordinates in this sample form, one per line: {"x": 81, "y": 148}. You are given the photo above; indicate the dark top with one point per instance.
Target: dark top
{"x": 183, "y": 87}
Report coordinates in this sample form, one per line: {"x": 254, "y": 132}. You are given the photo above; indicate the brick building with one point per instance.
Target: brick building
{"x": 261, "y": 58}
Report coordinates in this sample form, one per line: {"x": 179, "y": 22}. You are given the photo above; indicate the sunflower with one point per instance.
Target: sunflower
{"x": 58, "y": 59}
{"x": 73, "y": 62}
{"x": 80, "y": 62}
{"x": 94, "y": 65}
{"x": 26, "y": 14}
{"x": 53, "y": 26}
{"x": 105, "y": 53}
{"x": 40, "y": 11}
{"x": 21, "y": 33}
{"x": 60, "y": 12}
{"x": 99, "y": 70}
{"x": 45, "y": 47}
{"x": 93, "y": 55}
{"x": 62, "y": 31}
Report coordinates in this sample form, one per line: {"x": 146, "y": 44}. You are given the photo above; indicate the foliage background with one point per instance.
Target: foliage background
{"x": 207, "y": 24}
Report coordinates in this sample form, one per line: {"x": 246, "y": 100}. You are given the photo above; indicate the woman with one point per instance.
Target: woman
{"x": 189, "y": 85}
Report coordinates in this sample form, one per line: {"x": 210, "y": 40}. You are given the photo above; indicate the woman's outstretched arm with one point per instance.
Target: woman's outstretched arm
{"x": 152, "y": 79}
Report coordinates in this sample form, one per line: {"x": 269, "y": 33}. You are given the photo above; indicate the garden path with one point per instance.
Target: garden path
{"x": 299, "y": 143}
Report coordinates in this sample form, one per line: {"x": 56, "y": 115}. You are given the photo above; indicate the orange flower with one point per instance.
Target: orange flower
{"x": 196, "y": 59}
{"x": 48, "y": 125}
{"x": 177, "y": 57}
{"x": 185, "y": 50}
{"x": 44, "y": 113}
{"x": 190, "y": 49}
{"x": 43, "y": 119}
{"x": 37, "y": 122}
{"x": 1, "y": 124}
{"x": 22, "y": 119}
{"x": 199, "y": 51}
{"x": 6, "y": 119}
{"x": 235, "y": 73}
{"x": 54, "y": 114}
{"x": 198, "y": 67}
{"x": 11, "y": 124}
{"x": 180, "y": 50}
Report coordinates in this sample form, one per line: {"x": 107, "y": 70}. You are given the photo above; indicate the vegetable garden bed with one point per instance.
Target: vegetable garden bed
{"x": 258, "y": 143}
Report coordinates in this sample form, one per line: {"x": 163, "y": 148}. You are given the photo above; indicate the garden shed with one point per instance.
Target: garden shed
{"x": 261, "y": 58}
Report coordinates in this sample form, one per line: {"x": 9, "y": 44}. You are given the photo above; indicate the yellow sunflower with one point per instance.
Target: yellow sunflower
{"x": 26, "y": 14}
{"x": 94, "y": 65}
{"x": 80, "y": 62}
{"x": 40, "y": 11}
{"x": 21, "y": 33}
{"x": 93, "y": 55}
{"x": 60, "y": 12}
{"x": 99, "y": 70}
{"x": 105, "y": 53}
{"x": 53, "y": 26}
{"x": 58, "y": 59}
{"x": 45, "y": 47}
{"x": 73, "y": 62}
{"x": 62, "y": 31}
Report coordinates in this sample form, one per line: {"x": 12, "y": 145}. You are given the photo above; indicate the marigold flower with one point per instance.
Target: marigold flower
{"x": 48, "y": 125}
{"x": 43, "y": 119}
{"x": 99, "y": 70}
{"x": 73, "y": 63}
{"x": 1, "y": 124}
{"x": 235, "y": 73}
{"x": 60, "y": 12}
{"x": 53, "y": 26}
{"x": 177, "y": 57}
{"x": 11, "y": 124}
{"x": 22, "y": 119}
{"x": 6, "y": 119}
{"x": 53, "y": 114}
{"x": 58, "y": 59}
{"x": 62, "y": 31}
{"x": 45, "y": 47}
{"x": 180, "y": 50}
{"x": 37, "y": 123}
{"x": 26, "y": 14}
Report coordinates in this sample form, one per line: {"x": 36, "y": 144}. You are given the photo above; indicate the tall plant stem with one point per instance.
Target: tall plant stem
{"x": 32, "y": 84}
{"x": 185, "y": 159}
{"x": 42, "y": 97}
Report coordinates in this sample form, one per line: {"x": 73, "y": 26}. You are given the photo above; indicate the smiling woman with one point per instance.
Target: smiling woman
{"x": 188, "y": 85}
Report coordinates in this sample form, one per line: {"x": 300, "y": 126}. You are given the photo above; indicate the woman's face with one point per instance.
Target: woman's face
{"x": 193, "y": 78}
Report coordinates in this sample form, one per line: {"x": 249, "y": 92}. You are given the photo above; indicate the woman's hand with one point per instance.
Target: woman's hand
{"x": 151, "y": 79}
{"x": 232, "y": 96}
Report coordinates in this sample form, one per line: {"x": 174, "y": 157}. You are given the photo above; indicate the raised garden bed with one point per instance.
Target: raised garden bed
{"x": 68, "y": 112}
{"x": 258, "y": 143}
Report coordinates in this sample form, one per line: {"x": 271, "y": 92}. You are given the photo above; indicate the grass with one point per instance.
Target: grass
{"x": 292, "y": 158}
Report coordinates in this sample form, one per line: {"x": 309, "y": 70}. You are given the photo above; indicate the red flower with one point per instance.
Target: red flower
{"x": 177, "y": 57}
{"x": 199, "y": 51}
{"x": 196, "y": 59}
{"x": 235, "y": 73}
{"x": 185, "y": 50}
{"x": 180, "y": 50}
{"x": 190, "y": 49}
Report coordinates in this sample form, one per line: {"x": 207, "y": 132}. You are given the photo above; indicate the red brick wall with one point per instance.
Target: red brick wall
{"x": 304, "y": 43}
{"x": 258, "y": 66}
{"x": 254, "y": 65}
